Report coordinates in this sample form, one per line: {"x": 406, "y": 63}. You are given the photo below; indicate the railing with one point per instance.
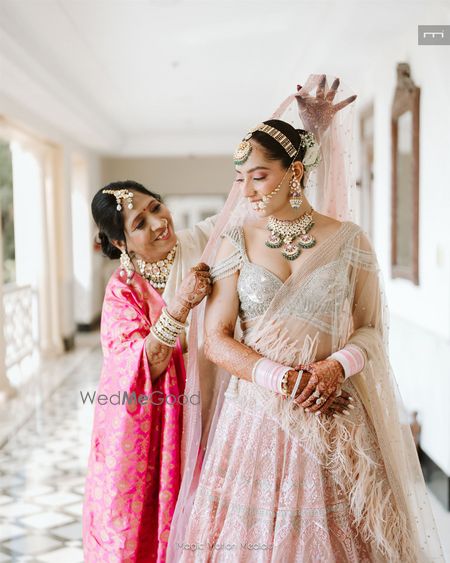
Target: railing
{"x": 18, "y": 311}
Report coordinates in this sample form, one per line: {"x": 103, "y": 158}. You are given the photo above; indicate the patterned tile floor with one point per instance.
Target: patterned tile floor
{"x": 42, "y": 469}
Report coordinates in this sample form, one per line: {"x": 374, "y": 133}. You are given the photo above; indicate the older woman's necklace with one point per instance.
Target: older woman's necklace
{"x": 157, "y": 273}
{"x": 291, "y": 235}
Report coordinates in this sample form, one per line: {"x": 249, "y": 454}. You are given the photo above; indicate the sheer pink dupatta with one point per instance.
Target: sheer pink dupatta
{"x": 199, "y": 423}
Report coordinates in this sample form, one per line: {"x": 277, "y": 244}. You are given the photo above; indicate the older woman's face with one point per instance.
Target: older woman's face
{"x": 149, "y": 230}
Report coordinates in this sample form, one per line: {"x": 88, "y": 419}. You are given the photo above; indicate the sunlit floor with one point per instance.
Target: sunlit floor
{"x": 42, "y": 467}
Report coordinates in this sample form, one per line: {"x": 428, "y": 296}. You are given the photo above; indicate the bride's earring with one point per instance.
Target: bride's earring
{"x": 295, "y": 192}
{"x": 126, "y": 266}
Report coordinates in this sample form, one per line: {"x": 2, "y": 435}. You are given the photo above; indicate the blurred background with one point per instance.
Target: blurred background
{"x": 160, "y": 92}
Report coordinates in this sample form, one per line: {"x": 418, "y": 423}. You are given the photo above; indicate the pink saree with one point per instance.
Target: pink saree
{"x": 134, "y": 465}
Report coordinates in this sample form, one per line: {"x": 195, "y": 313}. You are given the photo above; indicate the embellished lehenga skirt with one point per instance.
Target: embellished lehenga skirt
{"x": 265, "y": 494}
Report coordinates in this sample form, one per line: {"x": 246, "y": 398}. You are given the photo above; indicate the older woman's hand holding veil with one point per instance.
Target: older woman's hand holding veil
{"x": 317, "y": 112}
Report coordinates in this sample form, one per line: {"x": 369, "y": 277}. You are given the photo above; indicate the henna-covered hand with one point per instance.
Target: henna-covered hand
{"x": 335, "y": 405}
{"x": 158, "y": 356}
{"x": 338, "y": 405}
{"x": 317, "y": 112}
{"x": 193, "y": 289}
{"x": 326, "y": 377}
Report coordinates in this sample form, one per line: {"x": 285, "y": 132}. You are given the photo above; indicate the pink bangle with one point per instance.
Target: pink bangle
{"x": 351, "y": 358}
{"x": 269, "y": 374}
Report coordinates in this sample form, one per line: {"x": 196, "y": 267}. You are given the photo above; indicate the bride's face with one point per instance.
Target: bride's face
{"x": 259, "y": 177}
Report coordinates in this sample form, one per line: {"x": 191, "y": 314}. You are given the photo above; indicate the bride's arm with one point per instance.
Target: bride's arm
{"x": 221, "y": 347}
{"x": 220, "y": 320}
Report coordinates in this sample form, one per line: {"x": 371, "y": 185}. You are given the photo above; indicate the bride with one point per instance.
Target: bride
{"x": 297, "y": 317}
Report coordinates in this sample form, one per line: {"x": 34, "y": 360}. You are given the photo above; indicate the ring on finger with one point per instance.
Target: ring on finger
{"x": 320, "y": 400}
{"x": 316, "y": 394}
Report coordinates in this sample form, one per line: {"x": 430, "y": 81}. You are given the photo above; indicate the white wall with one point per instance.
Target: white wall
{"x": 420, "y": 315}
{"x": 174, "y": 175}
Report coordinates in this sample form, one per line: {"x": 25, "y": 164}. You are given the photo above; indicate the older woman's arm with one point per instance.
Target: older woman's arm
{"x": 193, "y": 289}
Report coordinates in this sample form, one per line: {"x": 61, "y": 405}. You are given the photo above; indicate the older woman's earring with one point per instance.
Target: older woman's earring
{"x": 295, "y": 192}
{"x": 126, "y": 266}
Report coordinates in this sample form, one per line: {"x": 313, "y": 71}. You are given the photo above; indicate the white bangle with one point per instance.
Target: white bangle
{"x": 297, "y": 384}
{"x": 254, "y": 368}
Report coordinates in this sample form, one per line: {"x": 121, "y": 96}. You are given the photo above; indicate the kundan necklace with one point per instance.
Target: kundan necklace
{"x": 157, "y": 273}
{"x": 285, "y": 233}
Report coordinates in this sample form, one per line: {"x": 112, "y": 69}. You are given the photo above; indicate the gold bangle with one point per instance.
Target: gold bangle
{"x": 162, "y": 337}
{"x": 171, "y": 319}
{"x": 284, "y": 383}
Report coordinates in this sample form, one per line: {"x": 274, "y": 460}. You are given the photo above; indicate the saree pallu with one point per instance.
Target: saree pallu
{"x": 280, "y": 484}
{"x": 134, "y": 465}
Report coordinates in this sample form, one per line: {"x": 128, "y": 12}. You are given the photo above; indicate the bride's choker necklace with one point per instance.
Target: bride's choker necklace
{"x": 284, "y": 233}
{"x": 157, "y": 273}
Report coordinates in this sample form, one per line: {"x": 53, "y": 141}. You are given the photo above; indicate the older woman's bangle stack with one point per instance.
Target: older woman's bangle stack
{"x": 167, "y": 329}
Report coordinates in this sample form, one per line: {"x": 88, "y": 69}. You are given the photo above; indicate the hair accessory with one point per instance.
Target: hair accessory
{"x": 242, "y": 152}
{"x": 121, "y": 195}
{"x": 284, "y": 233}
{"x": 126, "y": 266}
{"x": 278, "y": 136}
{"x": 310, "y": 160}
{"x": 157, "y": 273}
{"x": 312, "y": 156}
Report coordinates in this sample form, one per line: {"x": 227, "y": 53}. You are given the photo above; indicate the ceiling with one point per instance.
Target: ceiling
{"x": 183, "y": 77}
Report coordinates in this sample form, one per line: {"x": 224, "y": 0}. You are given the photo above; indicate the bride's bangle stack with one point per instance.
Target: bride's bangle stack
{"x": 271, "y": 375}
{"x": 351, "y": 358}
{"x": 167, "y": 329}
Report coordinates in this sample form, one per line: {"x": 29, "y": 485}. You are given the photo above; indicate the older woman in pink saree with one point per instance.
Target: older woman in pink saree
{"x": 134, "y": 465}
